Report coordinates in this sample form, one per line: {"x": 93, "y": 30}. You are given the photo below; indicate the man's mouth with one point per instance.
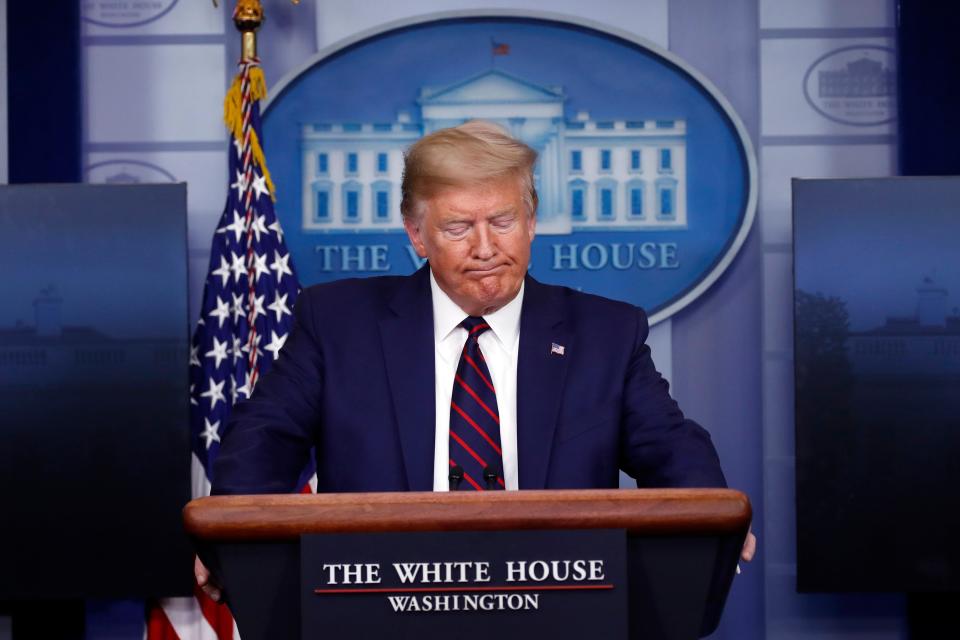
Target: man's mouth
{"x": 486, "y": 271}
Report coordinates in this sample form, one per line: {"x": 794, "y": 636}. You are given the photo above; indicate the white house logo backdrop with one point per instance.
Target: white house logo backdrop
{"x": 124, "y": 13}
{"x": 854, "y": 85}
{"x": 646, "y": 179}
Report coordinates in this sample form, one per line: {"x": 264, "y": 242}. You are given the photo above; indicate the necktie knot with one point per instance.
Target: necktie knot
{"x": 474, "y": 325}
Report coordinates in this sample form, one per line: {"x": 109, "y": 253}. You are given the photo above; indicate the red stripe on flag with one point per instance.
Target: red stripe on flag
{"x": 158, "y": 626}
{"x": 474, "y": 395}
{"x": 218, "y": 615}
{"x": 473, "y": 424}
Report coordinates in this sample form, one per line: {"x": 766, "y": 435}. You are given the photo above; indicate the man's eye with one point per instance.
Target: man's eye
{"x": 503, "y": 223}
{"x": 457, "y": 230}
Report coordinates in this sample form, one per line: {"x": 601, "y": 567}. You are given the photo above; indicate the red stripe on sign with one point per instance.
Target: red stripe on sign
{"x": 473, "y": 424}
{"x": 545, "y": 587}
{"x": 473, "y": 394}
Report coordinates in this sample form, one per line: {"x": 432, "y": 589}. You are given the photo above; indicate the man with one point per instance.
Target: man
{"x": 469, "y": 374}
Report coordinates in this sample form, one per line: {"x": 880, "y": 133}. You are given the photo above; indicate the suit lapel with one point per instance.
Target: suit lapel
{"x": 540, "y": 379}
{"x": 406, "y": 333}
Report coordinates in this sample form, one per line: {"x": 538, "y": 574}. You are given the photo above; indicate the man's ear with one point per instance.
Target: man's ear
{"x": 413, "y": 232}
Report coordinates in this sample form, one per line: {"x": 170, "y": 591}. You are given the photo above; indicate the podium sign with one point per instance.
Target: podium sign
{"x": 465, "y": 585}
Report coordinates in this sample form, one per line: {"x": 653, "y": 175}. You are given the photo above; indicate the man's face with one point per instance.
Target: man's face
{"x": 477, "y": 239}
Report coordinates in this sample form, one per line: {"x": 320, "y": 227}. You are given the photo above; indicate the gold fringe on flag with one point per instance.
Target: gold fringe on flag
{"x": 233, "y": 117}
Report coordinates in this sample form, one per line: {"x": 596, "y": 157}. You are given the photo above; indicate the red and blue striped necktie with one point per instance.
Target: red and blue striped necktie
{"x": 476, "y": 460}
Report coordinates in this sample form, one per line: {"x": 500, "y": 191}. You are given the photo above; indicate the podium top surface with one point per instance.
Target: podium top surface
{"x": 640, "y": 511}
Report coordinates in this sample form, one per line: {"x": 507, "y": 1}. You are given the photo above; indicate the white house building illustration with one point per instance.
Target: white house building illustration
{"x": 49, "y": 352}
{"x": 926, "y": 343}
{"x": 591, "y": 174}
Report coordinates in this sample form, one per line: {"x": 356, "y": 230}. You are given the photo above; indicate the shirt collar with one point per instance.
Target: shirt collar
{"x": 504, "y": 322}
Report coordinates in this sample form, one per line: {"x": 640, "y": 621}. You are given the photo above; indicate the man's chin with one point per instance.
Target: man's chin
{"x": 487, "y": 299}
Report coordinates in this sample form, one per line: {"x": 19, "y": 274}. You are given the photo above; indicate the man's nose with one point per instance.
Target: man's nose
{"x": 484, "y": 246}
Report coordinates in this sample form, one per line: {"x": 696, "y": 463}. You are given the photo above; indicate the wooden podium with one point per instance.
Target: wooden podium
{"x": 682, "y": 544}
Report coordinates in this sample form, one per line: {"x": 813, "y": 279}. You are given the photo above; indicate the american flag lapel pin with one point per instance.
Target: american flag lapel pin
{"x": 557, "y": 349}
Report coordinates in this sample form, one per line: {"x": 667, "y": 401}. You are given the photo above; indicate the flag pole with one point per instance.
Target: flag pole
{"x": 245, "y": 317}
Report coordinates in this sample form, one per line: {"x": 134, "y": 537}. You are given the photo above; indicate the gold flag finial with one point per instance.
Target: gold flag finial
{"x": 215, "y": 5}
{"x": 248, "y": 16}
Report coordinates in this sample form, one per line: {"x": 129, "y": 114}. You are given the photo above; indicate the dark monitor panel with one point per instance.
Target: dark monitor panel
{"x": 877, "y": 364}
{"x": 94, "y": 450}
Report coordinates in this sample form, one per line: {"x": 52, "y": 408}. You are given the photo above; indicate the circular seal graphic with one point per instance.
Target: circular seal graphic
{"x": 646, "y": 177}
{"x": 127, "y": 172}
{"x": 125, "y": 13}
{"x": 854, "y": 85}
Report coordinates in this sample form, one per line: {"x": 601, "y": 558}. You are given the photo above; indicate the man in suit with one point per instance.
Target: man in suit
{"x": 469, "y": 374}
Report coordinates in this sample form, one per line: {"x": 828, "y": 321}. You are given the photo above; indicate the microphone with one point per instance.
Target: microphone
{"x": 490, "y": 475}
{"x": 455, "y": 477}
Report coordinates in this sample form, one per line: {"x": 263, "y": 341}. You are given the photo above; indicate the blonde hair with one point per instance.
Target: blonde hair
{"x": 476, "y": 152}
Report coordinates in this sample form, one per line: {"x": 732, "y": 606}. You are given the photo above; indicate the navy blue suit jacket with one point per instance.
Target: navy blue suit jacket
{"x": 356, "y": 380}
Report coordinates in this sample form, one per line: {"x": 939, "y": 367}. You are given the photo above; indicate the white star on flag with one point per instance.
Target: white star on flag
{"x": 247, "y": 388}
{"x": 279, "y": 306}
{"x": 222, "y": 311}
{"x": 210, "y": 432}
{"x": 256, "y": 345}
{"x": 280, "y": 265}
{"x": 258, "y": 306}
{"x": 240, "y": 185}
{"x": 194, "y": 355}
{"x": 238, "y": 265}
{"x": 275, "y": 227}
{"x": 219, "y": 352}
{"x": 223, "y": 271}
{"x": 260, "y": 186}
{"x": 238, "y": 226}
{"x": 259, "y": 226}
{"x": 276, "y": 343}
{"x": 238, "y": 309}
{"x": 260, "y": 266}
{"x": 237, "y": 349}
{"x": 215, "y": 393}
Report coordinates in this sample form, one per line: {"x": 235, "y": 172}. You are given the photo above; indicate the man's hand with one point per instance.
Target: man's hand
{"x": 749, "y": 547}
{"x": 204, "y": 582}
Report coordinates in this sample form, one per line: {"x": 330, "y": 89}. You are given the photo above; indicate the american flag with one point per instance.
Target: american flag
{"x": 248, "y": 299}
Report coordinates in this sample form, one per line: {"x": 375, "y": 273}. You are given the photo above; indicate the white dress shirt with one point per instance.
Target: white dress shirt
{"x": 500, "y": 347}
